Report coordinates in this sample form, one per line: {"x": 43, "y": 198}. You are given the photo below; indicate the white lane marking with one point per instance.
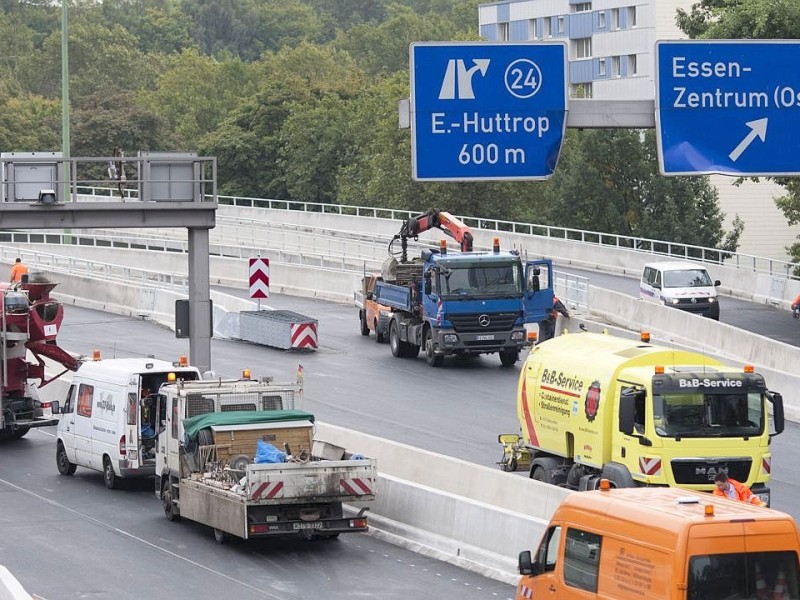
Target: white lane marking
{"x": 140, "y": 540}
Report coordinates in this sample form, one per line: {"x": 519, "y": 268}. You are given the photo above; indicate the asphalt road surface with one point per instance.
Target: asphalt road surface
{"x": 70, "y": 537}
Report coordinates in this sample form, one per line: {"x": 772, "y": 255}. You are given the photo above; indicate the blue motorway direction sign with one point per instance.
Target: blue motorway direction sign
{"x": 729, "y": 107}
{"x": 487, "y": 111}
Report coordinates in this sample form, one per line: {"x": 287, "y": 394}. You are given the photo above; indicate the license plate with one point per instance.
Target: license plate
{"x": 307, "y": 525}
{"x": 488, "y": 336}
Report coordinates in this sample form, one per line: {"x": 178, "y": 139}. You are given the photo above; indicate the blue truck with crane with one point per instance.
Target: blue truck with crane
{"x": 461, "y": 303}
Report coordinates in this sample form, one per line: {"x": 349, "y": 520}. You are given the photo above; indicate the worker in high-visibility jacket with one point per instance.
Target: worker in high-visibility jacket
{"x": 735, "y": 490}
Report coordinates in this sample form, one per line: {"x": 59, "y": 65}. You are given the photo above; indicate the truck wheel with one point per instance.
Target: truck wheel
{"x": 398, "y": 347}
{"x": 380, "y": 337}
{"x": 109, "y": 477}
{"x": 62, "y": 462}
{"x": 508, "y": 358}
{"x": 433, "y": 359}
{"x": 363, "y": 318}
{"x": 170, "y": 510}
{"x": 412, "y": 350}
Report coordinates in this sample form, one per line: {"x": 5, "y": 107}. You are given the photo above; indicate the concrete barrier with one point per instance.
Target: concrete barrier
{"x": 10, "y": 588}
{"x": 463, "y": 513}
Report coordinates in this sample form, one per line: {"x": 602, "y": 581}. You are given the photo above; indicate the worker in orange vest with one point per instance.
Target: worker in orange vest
{"x": 796, "y": 307}
{"x": 735, "y": 490}
{"x": 18, "y": 270}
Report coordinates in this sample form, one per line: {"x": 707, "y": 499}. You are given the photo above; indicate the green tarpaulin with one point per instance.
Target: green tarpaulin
{"x": 242, "y": 417}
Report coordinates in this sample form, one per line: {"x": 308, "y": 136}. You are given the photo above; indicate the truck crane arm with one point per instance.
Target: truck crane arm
{"x": 434, "y": 218}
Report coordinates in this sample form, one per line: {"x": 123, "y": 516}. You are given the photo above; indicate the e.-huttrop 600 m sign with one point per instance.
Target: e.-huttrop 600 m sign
{"x": 484, "y": 111}
{"x": 729, "y": 107}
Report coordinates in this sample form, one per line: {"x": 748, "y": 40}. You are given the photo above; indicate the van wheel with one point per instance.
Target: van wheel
{"x": 62, "y": 462}
{"x": 363, "y": 319}
{"x": 220, "y": 536}
{"x": 109, "y": 477}
{"x": 20, "y": 432}
{"x": 170, "y": 510}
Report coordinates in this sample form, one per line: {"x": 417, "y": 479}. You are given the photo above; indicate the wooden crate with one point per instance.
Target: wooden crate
{"x": 245, "y": 441}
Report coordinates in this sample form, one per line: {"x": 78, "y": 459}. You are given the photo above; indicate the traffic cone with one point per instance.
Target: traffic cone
{"x": 780, "y": 592}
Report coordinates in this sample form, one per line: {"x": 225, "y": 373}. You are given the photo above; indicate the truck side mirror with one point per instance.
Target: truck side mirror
{"x": 717, "y": 282}
{"x": 427, "y": 284}
{"x": 778, "y": 419}
{"x": 55, "y": 406}
{"x": 627, "y": 406}
{"x": 525, "y": 563}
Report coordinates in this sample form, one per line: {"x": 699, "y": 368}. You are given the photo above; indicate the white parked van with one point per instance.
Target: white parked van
{"x": 680, "y": 284}
{"x": 108, "y": 422}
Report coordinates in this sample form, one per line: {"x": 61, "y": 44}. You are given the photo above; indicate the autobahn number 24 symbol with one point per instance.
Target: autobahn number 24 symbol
{"x": 523, "y": 78}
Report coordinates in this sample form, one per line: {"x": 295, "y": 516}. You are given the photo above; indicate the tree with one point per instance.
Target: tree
{"x": 194, "y": 93}
{"x": 751, "y": 19}
{"x": 608, "y": 180}
{"x": 252, "y": 135}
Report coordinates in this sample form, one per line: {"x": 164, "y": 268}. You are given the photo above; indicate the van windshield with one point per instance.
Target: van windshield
{"x": 698, "y": 414}
{"x": 741, "y": 576}
{"x": 687, "y": 278}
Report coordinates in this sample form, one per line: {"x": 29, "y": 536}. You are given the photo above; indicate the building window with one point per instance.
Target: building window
{"x": 601, "y": 19}
{"x": 632, "y": 16}
{"x": 601, "y": 66}
{"x": 532, "y": 29}
{"x": 502, "y": 32}
{"x": 615, "y": 18}
{"x": 631, "y": 64}
{"x": 582, "y": 7}
{"x": 560, "y": 24}
{"x": 581, "y": 90}
{"x": 548, "y": 25}
{"x": 583, "y": 48}
{"x": 615, "y": 66}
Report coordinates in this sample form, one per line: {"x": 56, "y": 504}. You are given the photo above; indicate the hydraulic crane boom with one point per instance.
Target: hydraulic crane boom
{"x": 434, "y": 218}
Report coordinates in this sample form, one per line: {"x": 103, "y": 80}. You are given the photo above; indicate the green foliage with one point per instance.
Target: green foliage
{"x": 194, "y": 93}
{"x": 383, "y": 48}
{"x": 741, "y": 19}
{"x": 608, "y": 180}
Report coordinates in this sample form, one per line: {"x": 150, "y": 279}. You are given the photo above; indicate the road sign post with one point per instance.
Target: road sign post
{"x": 484, "y": 111}
{"x": 728, "y": 107}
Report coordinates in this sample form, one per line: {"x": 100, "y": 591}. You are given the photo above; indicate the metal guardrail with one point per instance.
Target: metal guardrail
{"x": 659, "y": 248}
{"x": 645, "y": 245}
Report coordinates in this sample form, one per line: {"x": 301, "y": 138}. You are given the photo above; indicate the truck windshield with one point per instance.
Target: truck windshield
{"x": 698, "y": 414}
{"x": 480, "y": 279}
{"x": 687, "y": 278}
{"x": 741, "y": 576}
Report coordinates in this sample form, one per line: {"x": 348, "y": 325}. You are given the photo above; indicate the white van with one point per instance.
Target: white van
{"x": 108, "y": 422}
{"x": 680, "y": 284}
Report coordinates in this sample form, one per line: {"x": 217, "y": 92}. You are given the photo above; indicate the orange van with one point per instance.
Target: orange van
{"x": 372, "y": 315}
{"x": 664, "y": 544}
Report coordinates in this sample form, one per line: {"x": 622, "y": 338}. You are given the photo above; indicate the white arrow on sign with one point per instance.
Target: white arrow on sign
{"x": 758, "y": 128}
